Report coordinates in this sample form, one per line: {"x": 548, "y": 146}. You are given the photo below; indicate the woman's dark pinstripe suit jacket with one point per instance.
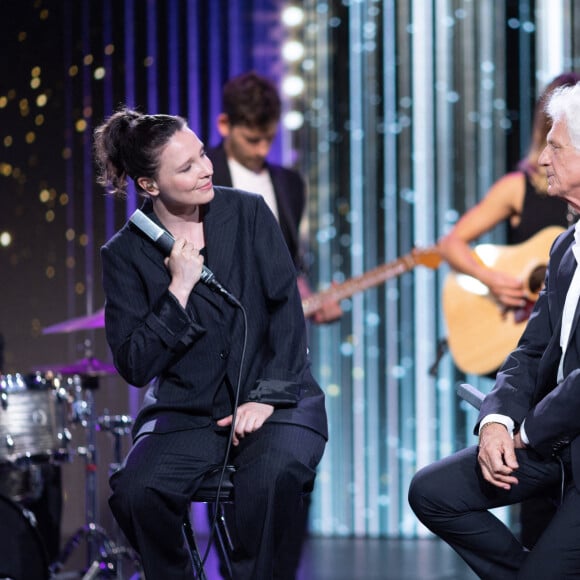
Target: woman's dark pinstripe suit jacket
{"x": 191, "y": 358}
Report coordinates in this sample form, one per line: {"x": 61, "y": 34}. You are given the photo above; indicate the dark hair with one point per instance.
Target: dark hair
{"x": 252, "y": 100}
{"x": 128, "y": 144}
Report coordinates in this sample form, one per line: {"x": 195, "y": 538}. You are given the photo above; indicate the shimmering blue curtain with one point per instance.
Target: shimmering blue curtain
{"x": 412, "y": 110}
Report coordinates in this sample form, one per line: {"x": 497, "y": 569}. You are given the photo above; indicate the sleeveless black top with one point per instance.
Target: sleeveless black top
{"x": 538, "y": 212}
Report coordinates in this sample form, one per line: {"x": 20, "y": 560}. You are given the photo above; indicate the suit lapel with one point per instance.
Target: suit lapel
{"x": 220, "y": 235}
{"x": 148, "y": 247}
{"x": 565, "y": 274}
{"x": 286, "y": 217}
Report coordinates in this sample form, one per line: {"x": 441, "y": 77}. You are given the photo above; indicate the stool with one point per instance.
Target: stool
{"x": 207, "y": 493}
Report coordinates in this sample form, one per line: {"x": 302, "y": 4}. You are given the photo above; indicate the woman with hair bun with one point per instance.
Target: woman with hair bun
{"x": 225, "y": 378}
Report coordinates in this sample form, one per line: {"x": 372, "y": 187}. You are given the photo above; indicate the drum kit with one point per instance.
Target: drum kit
{"x": 37, "y": 412}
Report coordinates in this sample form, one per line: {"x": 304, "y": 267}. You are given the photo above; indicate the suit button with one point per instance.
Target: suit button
{"x": 224, "y": 354}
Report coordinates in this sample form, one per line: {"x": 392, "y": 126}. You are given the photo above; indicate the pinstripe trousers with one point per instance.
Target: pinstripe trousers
{"x": 152, "y": 491}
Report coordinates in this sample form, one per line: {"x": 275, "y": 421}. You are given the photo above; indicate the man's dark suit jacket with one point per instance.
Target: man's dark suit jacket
{"x": 290, "y": 191}
{"x": 526, "y": 385}
{"x": 194, "y": 354}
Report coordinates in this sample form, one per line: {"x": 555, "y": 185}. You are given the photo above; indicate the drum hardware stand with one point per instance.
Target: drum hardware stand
{"x": 83, "y": 413}
{"x": 109, "y": 563}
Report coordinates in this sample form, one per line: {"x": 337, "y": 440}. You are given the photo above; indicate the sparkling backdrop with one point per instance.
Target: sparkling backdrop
{"x": 66, "y": 65}
{"x": 411, "y": 110}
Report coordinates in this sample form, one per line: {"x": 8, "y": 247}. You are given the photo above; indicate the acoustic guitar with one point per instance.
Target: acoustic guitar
{"x": 425, "y": 257}
{"x": 480, "y": 331}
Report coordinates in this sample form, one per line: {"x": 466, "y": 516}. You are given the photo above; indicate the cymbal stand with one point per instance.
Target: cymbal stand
{"x": 96, "y": 536}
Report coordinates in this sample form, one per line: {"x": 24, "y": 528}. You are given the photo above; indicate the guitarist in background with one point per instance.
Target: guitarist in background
{"x": 248, "y": 124}
{"x": 520, "y": 200}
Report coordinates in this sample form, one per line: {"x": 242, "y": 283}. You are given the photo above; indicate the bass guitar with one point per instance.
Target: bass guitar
{"x": 480, "y": 332}
{"x": 425, "y": 257}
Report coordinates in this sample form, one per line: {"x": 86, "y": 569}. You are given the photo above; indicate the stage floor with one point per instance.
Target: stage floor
{"x": 348, "y": 559}
{"x": 374, "y": 559}
{"x": 387, "y": 559}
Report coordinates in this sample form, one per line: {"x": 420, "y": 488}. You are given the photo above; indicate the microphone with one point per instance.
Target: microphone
{"x": 164, "y": 241}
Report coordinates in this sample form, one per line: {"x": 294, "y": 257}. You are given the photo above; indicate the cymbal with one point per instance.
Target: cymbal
{"x": 86, "y": 366}
{"x": 96, "y": 320}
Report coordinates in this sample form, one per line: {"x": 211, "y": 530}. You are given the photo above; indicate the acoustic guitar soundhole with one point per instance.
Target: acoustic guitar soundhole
{"x": 536, "y": 279}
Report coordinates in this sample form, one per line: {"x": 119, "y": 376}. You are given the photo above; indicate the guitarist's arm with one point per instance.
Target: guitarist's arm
{"x": 503, "y": 201}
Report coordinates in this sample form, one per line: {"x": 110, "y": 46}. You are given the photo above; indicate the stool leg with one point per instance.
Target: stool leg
{"x": 224, "y": 540}
{"x": 198, "y": 569}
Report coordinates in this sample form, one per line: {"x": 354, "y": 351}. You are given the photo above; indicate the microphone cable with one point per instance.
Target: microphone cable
{"x": 217, "y": 501}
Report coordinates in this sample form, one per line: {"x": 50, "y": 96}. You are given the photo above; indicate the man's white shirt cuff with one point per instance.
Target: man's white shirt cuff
{"x": 497, "y": 418}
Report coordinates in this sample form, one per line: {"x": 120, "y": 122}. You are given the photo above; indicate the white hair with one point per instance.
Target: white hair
{"x": 564, "y": 103}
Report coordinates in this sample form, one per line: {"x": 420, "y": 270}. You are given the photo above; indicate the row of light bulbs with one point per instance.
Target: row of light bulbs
{"x": 293, "y": 52}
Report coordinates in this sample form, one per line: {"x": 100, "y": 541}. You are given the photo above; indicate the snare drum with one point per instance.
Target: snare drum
{"x": 33, "y": 418}
{"x": 22, "y": 552}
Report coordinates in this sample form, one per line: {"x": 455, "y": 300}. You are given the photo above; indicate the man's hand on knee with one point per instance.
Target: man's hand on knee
{"x": 496, "y": 456}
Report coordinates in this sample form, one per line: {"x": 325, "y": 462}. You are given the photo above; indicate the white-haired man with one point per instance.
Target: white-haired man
{"x": 529, "y": 425}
